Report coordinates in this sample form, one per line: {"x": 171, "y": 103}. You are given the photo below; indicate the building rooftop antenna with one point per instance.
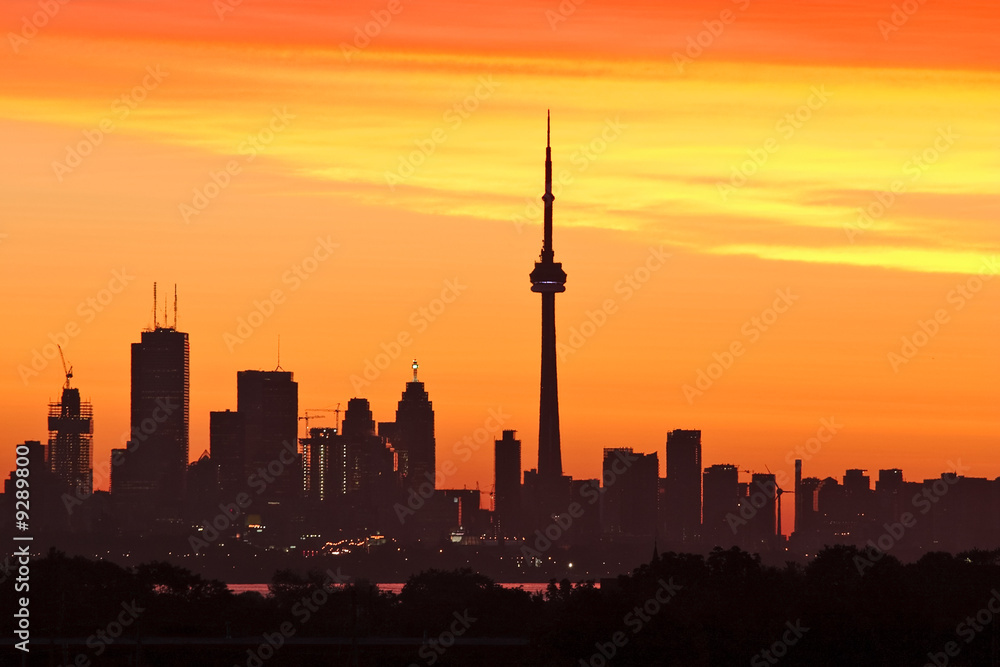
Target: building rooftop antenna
{"x": 154, "y": 305}
{"x": 175, "y": 306}
{"x": 278, "y": 368}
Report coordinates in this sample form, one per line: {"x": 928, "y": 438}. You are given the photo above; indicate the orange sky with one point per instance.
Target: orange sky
{"x": 654, "y": 144}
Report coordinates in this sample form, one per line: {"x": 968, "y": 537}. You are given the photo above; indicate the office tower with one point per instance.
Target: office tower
{"x": 721, "y": 505}
{"x": 507, "y": 485}
{"x": 413, "y": 433}
{"x": 269, "y": 403}
{"x": 157, "y": 455}
{"x": 368, "y": 461}
{"x": 890, "y": 495}
{"x": 763, "y": 524}
{"x": 629, "y": 498}
{"x": 683, "y": 485}
{"x": 226, "y": 443}
{"x": 548, "y": 279}
{"x": 47, "y": 510}
{"x": 71, "y": 438}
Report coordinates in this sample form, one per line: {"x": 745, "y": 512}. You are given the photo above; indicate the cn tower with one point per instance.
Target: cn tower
{"x": 548, "y": 278}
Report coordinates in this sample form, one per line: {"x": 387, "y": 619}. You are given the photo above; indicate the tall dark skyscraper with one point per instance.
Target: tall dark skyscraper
{"x": 548, "y": 279}
{"x": 269, "y": 403}
{"x": 629, "y": 497}
{"x": 413, "y": 433}
{"x": 71, "y": 438}
{"x": 721, "y": 504}
{"x": 683, "y": 484}
{"x": 507, "y": 485}
{"x": 157, "y": 457}
{"x": 227, "y": 442}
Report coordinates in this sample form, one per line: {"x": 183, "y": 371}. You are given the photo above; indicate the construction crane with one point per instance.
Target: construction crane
{"x": 306, "y": 418}
{"x": 337, "y": 410}
{"x": 68, "y": 372}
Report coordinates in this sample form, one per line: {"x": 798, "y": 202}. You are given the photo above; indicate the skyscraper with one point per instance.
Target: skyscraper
{"x": 683, "y": 484}
{"x": 227, "y": 444}
{"x": 157, "y": 455}
{"x": 507, "y": 485}
{"x": 269, "y": 404}
{"x": 548, "y": 279}
{"x": 71, "y": 438}
{"x": 720, "y": 506}
{"x": 629, "y": 497}
{"x": 413, "y": 433}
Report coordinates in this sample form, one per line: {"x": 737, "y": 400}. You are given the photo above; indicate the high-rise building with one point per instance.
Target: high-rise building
{"x": 629, "y": 497}
{"x": 269, "y": 403}
{"x": 71, "y": 440}
{"x": 548, "y": 279}
{"x": 322, "y": 469}
{"x": 413, "y": 433}
{"x": 721, "y": 505}
{"x": 227, "y": 445}
{"x": 762, "y": 528}
{"x": 157, "y": 457}
{"x": 368, "y": 461}
{"x": 683, "y": 485}
{"x": 507, "y": 485}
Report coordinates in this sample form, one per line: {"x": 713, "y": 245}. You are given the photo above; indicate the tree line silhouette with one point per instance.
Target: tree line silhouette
{"x": 725, "y": 608}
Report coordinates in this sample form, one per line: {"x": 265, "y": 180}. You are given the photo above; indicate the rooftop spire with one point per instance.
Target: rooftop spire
{"x": 548, "y": 197}
{"x": 415, "y": 367}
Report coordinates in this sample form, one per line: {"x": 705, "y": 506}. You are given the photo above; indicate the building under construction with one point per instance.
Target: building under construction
{"x": 71, "y": 439}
